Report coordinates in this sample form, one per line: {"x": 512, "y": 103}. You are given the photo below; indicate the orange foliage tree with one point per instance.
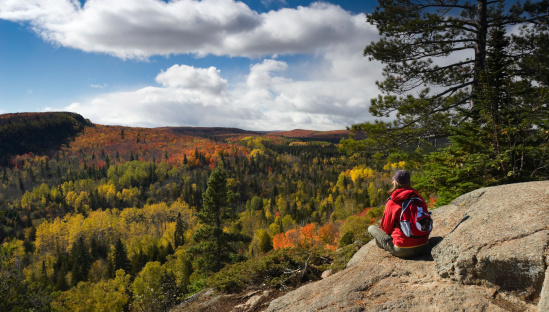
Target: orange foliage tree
{"x": 329, "y": 235}
{"x": 308, "y": 237}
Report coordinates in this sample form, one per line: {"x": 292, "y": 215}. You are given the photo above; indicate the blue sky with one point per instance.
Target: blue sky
{"x": 258, "y": 65}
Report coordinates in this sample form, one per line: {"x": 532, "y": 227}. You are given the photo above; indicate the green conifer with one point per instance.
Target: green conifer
{"x": 179, "y": 235}
{"x": 81, "y": 261}
{"x": 119, "y": 259}
{"x": 214, "y": 246}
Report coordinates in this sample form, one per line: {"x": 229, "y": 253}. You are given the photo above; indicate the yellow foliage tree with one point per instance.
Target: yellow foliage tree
{"x": 108, "y": 295}
{"x": 147, "y": 286}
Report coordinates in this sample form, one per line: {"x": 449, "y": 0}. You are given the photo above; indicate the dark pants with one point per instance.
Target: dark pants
{"x": 384, "y": 241}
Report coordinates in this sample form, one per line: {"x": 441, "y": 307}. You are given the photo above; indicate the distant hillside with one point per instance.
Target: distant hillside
{"x": 310, "y": 135}
{"x": 218, "y": 132}
{"x": 39, "y": 133}
{"x": 44, "y": 133}
{"x": 225, "y": 133}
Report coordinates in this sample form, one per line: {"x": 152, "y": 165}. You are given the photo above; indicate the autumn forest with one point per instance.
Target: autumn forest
{"x": 147, "y": 217}
{"x": 113, "y": 218}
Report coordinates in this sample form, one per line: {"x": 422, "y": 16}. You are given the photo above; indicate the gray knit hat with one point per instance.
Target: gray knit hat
{"x": 402, "y": 177}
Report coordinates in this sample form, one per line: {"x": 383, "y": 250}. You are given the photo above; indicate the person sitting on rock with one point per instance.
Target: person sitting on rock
{"x": 390, "y": 237}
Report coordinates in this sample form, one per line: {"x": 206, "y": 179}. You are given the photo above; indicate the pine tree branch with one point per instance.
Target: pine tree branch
{"x": 438, "y": 69}
{"x": 443, "y": 41}
{"x": 441, "y": 53}
{"x": 452, "y": 90}
{"x": 450, "y": 6}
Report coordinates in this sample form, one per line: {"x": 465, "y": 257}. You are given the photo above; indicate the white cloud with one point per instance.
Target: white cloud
{"x": 187, "y": 96}
{"x": 140, "y": 29}
{"x": 265, "y": 100}
{"x": 190, "y": 78}
{"x": 98, "y": 86}
{"x": 261, "y": 74}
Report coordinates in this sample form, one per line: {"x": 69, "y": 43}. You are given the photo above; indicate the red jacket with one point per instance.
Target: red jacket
{"x": 390, "y": 220}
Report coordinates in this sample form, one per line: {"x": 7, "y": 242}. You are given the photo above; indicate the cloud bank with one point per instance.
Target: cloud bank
{"x": 333, "y": 90}
{"x": 140, "y": 29}
{"x": 266, "y": 100}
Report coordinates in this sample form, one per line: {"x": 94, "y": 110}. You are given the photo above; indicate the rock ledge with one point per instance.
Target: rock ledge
{"x": 490, "y": 253}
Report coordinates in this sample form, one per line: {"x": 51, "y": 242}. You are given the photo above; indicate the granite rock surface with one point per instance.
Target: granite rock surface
{"x": 489, "y": 253}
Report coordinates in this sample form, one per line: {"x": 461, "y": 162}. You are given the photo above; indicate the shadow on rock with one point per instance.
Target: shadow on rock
{"x": 433, "y": 241}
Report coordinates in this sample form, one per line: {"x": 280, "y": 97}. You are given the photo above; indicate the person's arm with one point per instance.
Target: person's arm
{"x": 388, "y": 219}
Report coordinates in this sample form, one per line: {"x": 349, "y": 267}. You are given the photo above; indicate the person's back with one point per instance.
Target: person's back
{"x": 390, "y": 237}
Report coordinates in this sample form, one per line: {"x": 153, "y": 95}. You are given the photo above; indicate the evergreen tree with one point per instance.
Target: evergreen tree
{"x": 98, "y": 250}
{"x": 186, "y": 272}
{"x": 61, "y": 279}
{"x": 265, "y": 243}
{"x": 179, "y": 235}
{"x": 93, "y": 201}
{"x": 21, "y": 185}
{"x": 138, "y": 262}
{"x": 429, "y": 99}
{"x": 81, "y": 261}
{"x": 153, "y": 253}
{"x": 491, "y": 103}
{"x": 504, "y": 143}
{"x": 213, "y": 245}
{"x": 119, "y": 259}
{"x": 60, "y": 270}
{"x": 44, "y": 279}
{"x": 164, "y": 252}
{"x": 28, "y": 243}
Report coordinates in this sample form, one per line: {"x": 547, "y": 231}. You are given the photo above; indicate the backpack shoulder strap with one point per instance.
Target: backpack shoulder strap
{"x": 407, "y": 201}
{"x": 405, "y": 205}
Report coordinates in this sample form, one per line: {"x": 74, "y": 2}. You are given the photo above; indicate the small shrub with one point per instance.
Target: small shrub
{"x": 285, "y": 267}
{"x": 347, "y": 239}
{"x": 342, "y": 257}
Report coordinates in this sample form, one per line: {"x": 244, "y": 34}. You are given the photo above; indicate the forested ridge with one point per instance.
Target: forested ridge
{"x": 22, "y": 133}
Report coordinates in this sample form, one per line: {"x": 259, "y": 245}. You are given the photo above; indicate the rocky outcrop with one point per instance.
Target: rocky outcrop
{"x": 210, "y": 300}
{"x": 490, "y": 253}
{"x": 501, "y": 239}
